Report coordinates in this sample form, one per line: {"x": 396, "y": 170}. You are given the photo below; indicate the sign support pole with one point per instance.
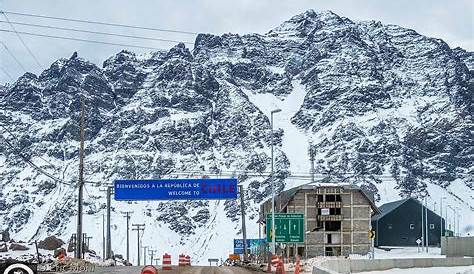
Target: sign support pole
{"x": 244, "y": 229}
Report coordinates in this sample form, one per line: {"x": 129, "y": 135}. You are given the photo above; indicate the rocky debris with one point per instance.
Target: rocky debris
{"x": 3, "y": 247}
{"x": 50, "y": 243}
{"x": 5, "y": 236}
{"x": 18, "y": 247}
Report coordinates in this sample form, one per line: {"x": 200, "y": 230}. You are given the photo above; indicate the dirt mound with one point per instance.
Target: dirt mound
{"x": 50, "y": 243}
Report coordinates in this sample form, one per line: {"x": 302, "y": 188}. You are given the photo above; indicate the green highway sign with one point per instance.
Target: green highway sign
{"x": 289, "y": 227}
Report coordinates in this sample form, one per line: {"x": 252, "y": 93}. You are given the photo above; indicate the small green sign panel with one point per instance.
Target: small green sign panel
{"x": 289, "y": 227}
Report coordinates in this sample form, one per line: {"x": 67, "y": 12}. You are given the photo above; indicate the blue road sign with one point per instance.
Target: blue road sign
{"x": 252, "y": 244}
{"x": 175, "y": 189}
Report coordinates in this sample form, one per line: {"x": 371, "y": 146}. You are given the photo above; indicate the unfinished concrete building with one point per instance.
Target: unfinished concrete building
{"x": 337, "y": 219}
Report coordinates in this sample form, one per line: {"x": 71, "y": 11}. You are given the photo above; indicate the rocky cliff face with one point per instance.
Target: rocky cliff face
{"x": 379, "y": 104}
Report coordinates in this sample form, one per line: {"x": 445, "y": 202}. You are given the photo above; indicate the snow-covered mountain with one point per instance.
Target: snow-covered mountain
{"x": 381, "y": 105}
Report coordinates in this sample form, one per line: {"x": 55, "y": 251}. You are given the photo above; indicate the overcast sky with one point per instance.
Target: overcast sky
{"x": 450, "y": 20}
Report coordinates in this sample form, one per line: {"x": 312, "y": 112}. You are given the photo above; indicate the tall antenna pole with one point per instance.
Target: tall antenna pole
{"x": 80, "y": 184}
{"x": 127, "y": 216}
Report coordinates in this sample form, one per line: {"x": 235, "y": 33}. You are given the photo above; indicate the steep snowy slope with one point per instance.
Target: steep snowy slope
{"x": 383, "y": 106}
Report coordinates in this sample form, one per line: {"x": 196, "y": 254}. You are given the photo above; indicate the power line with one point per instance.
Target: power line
{"x": 28, "y": 161}
{"x": 23, "y": 42}
{"x": 7, "y": 74}
{"x": 13, "y": 56}
{"x": 97, "y": 32}
{"x": 99, "y": 23}
{"x": 81, "y": 40}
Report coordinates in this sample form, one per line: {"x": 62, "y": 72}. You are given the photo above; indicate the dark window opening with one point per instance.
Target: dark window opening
{"x": 334, "y": 211}
{"x": 329, "y": 238}
{"x": 320, "y": 198}
{"x": 330, "y": 198}
{"x": 319, "y": 224}
{"x": 412, "y": 226}
{"x": 338, "y": 198}
{"x": 333, "y": 225}
{"x": 389, "y": 226}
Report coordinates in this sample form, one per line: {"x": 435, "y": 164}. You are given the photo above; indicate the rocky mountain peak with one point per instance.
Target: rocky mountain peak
{"x": 382, "y": 106}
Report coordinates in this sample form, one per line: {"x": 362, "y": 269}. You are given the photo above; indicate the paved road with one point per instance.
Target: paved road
{"x": 176, "y": 270}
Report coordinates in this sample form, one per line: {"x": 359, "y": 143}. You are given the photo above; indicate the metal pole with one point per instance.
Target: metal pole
{"x": 426, "y": 224}
{"x": 273, "y": 230}
{"x": 138, "y": 228}
{"x": 80, "y": 184}
{"x": 454, "y": 220}
{"x": 109, "y": 235}
{"x": 144, "y": 254}
{"x": 242, "y": 210}
{"x": 311, "y": 158}
{"x": 422, "y": 227}
{"x": 138, "y": 246}
{"x": 127, "y": 216}
{"x": 457, "y": 224}
{"x": 441, "y": 219}
{"x": 103, "y": 237}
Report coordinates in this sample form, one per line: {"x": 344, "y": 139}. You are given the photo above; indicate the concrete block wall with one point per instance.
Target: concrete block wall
{"x": 457, "y": 246}
{"x": 344, "y": 266}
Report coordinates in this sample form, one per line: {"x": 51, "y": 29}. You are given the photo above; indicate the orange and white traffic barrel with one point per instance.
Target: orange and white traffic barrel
{"x": 182, "y": 260}
{"x": 166, "y": 262}
{"x": 188, "y": 260}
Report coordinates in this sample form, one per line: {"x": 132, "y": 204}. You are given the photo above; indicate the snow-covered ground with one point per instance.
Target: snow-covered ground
{"x": 295, "y": 141}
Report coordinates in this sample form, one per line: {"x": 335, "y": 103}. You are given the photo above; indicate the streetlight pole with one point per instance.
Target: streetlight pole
{"x": 272, "y": 230}
{"x": 458, "y": 217}
{"x": 454, "y": 220}
{"x": 441, "y": 219}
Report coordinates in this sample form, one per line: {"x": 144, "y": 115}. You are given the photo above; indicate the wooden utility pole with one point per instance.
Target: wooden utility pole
{"x": 138, "y": 228}
{"x": 80, "y": 183}
{"x": 128, "y": 216}
{"x": 244, "y": 230}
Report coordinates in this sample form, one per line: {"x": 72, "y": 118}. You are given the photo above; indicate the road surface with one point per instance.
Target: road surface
{"x": 176, "y": 270}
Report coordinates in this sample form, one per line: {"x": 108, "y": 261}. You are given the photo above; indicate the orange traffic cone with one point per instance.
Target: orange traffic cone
{"x": 280, "y": 267}
{"x": 297, "y": 266}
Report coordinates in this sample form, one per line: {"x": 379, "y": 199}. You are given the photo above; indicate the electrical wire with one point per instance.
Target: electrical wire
{"x": 80, "y": 40}
{"x": 7, "y": 74}
{"x": 28, "y": 161}
{"x": 97, "y": 32}
{"x": 23, "y": 42}
{"x": 13, "y": 56}
{"x": 98, "y": 22}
